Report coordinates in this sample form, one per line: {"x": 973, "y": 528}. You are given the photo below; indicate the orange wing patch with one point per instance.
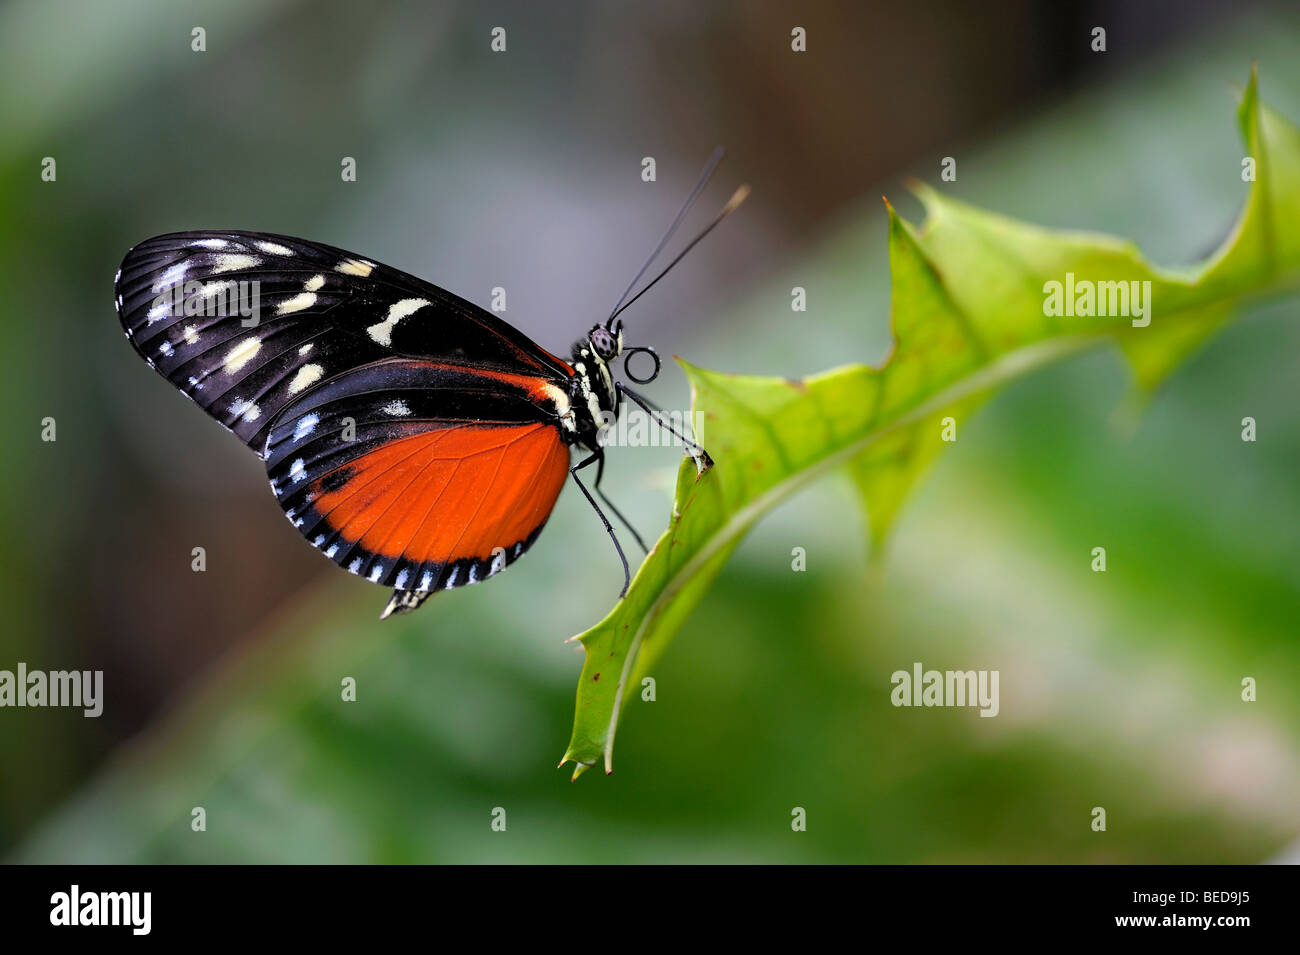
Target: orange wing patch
{"x": 450, "y": 494}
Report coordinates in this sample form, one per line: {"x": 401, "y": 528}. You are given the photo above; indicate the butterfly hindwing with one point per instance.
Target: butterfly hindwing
{"x": 244, "y": 322}
{"x": 420, "y": 475}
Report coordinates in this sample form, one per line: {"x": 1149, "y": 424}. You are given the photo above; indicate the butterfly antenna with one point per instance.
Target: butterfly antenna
{"x": 736, "y": 199}
{"x": 681, "y": 214}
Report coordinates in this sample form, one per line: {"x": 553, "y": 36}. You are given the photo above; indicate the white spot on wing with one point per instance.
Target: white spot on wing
{"x": 382, "y": 332}
{"x": 376, "y": 572}
{"x": 245, "y": 409}
{"x": 159, "y": 312}
{"x": 297, "y": 471}
{"x": 305, "y": 426}
{"x": 355, "y": 267}
{"x": 210, "y": 244}
{"x": 296, "y": 304}
{"x": 355, "y": 566}
{"x": 242, "y": 354}
{"x": 171, "y": 276}
{"x": 307, "y": 375}
{"x": 400, "y": 582}
{"x": 209, "y": 289}
{"x": 397, "y": 408}
{"x": 274, "y": 248}
{"x": 314, "y": 283}
{"x": 190, "y": 334}
{"x": 426, "y": 580}
{"x": 233, "y": 262}
{"x": 305, "y": 348}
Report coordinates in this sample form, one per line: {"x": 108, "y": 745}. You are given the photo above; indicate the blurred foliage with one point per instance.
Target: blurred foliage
{"x": 1118, "y": 689}
{"x": 968, "y": 314}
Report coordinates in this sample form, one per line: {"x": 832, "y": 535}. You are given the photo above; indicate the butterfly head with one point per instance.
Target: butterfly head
{"x": 604, "y": 344}
{"x": 606, "y": 341}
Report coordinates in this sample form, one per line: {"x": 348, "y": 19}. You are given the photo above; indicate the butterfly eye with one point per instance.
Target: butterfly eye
{"x": 605, "y": 344}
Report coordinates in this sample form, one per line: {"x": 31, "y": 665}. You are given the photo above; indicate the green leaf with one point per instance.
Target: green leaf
{"x": 968, "y": 314}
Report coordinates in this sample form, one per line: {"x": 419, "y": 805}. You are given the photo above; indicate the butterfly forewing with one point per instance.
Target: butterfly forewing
{"x": 243, "y": 323}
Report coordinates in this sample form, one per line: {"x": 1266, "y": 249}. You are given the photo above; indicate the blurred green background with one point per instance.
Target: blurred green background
{"x": 522, "y": 170}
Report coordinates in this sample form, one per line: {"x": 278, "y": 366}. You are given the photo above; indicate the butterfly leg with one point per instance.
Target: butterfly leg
{"x": 600, "y": 472}
{"x": 702, "y": 460}
{"x": 594, "y": 458}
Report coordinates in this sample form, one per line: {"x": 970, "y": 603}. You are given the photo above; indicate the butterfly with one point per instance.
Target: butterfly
{"x": 412, "y": 437}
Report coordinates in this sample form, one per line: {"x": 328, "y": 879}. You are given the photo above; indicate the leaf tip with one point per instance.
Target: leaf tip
{"x": 690, "y": 370}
